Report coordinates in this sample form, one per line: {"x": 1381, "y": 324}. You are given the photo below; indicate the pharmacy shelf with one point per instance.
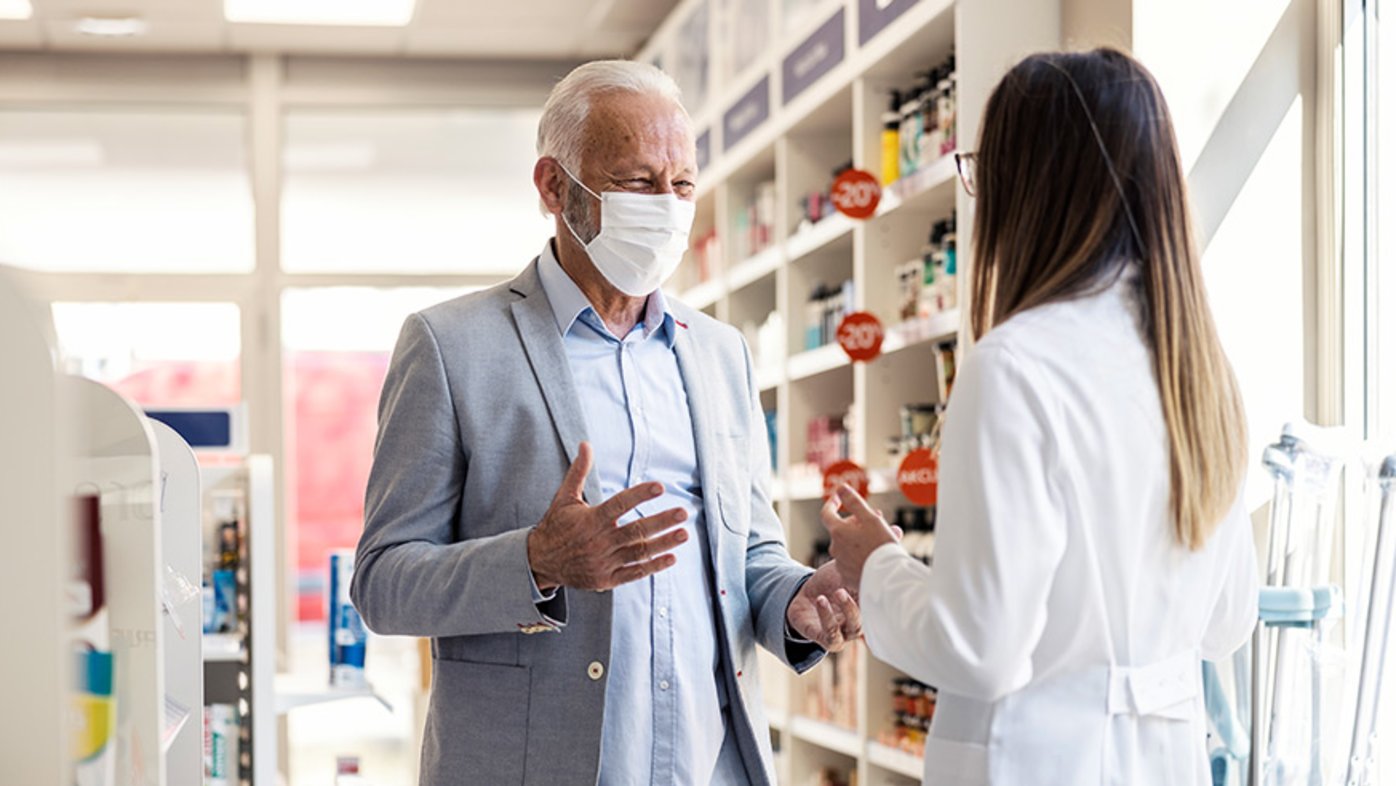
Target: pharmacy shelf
{"x": 826, "y": 735}
{"x": 822, "y": 234}
{"x": 294, "y": 693}
{"x": 704, "y": 294}
{"x": 769, "y": 377}
{"x": 222, "y": 647}
{"x": 794, "y": 139}
{"x": 816, "y": 361}
{"x": 929, "y": 187}
{"x": 934, "y": 330}
{"x": 895, "y": 760}
{"x": 777, "y": 719}
{"x": 755, "y": 268}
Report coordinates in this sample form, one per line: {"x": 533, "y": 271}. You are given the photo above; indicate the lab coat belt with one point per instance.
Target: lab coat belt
{"x": 1163, "y": 689}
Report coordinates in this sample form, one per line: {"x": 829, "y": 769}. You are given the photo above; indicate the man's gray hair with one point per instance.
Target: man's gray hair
{"x": 564, "y": 118}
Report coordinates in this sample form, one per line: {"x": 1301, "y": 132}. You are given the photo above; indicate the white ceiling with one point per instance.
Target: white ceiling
{"x": 495, "y": 29}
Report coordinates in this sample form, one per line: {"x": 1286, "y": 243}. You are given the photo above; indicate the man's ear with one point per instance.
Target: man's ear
{"x": 551, "y": 182}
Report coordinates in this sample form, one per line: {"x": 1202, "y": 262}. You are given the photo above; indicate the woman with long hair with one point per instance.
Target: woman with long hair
{"x": 1091, "y": 545}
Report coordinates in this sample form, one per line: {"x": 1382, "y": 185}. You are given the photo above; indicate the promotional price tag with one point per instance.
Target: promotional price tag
{"x": 845, "y": 472}
{"x": 860, "y": 335}
{"x": 919, "y": 475}
{"x": 855, "y": 193}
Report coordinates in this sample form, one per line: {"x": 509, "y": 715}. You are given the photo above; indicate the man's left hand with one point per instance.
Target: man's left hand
{"x": 824, "y": 612}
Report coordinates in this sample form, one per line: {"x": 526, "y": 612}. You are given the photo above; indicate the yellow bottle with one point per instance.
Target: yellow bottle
{"x": 891, "y": 141}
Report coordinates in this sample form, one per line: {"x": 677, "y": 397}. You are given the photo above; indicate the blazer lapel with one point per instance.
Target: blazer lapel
{"x": 691, "y": 367}
{"x": 533, "y": 317}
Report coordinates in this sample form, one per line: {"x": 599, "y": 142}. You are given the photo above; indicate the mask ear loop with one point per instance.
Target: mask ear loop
{"x": 1100, "y": 143}
{"x": 563, "y": 214}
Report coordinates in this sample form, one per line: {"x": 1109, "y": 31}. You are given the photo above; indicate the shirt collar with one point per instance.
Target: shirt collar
{"x": 570, "y": 304}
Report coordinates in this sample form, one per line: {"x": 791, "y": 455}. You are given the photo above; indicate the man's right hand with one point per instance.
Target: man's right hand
{"x": 579, "y": 545}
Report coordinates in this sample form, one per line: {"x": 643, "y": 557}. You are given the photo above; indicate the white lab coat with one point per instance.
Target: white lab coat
{"x": 1062, "y": 622}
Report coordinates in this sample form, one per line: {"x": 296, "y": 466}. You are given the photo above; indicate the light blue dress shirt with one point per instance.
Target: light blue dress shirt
{"x": 664, "y": 720}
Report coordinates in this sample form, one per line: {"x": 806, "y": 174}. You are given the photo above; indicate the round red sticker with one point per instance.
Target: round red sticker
{"x": 845, "y": 472}
{"x": 855, "y": 193}
{"x": 860, "y": 335}
{"x": 919, "y": 475}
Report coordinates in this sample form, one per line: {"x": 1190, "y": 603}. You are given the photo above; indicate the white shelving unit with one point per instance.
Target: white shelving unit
{"x": 794, "y": 135}
{"x": 34, "y": 729}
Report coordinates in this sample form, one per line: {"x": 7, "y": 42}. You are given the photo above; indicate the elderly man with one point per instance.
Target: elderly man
{"x": 598, "y": 622}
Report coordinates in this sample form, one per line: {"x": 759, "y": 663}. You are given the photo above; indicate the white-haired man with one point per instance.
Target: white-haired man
{"x": 568, "y": 490}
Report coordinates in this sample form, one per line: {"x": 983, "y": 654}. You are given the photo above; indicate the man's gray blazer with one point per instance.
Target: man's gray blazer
{"x": 478, "y": 422}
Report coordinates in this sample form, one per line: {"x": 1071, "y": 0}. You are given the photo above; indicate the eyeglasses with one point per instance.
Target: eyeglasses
{"x": 965, "y": 164}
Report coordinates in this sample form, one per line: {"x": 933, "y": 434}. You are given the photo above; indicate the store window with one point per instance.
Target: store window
{"x": 336, "y": 345}
{"x": 156, "y": 354}
{"x": 410, "y": 191}
{"x": 155, "y": 191}
{"x": 1244, "y": 118}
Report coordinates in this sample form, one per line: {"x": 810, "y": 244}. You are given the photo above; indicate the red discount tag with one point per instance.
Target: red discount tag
{"x": 845, "y": 472}
{"x": 855, "y": 193}
{"x": 860, "y": 335}
{"x": 919, "y": 475}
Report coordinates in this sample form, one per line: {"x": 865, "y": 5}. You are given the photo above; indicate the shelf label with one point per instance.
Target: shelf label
{"x": 860, "y": 335}
{"x": 845, "y": 472}
{"x": 813, "y": 58}
{"x": 747, "y": 114}
{"x": 855, "y": 193}
{"x": 875, "y": 15}
{"x": 704, "y": 149}
{"x": 918, "y": 476}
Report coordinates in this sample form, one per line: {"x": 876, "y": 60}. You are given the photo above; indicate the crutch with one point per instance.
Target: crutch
{"x": 1378, "y": 628}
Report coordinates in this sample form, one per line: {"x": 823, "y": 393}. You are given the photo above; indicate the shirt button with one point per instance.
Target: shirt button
{"x": 595, "y": 670}
{"x": 663, "y": 613}
{"x": 664, "y": 685}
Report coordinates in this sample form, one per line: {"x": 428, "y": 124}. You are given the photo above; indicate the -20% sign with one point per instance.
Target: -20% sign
{"x": 855, "y": 193}
{"x": 860, "y": 335}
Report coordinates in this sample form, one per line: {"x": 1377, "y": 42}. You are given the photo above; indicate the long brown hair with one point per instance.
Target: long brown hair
{"x": 1077, "y": 175}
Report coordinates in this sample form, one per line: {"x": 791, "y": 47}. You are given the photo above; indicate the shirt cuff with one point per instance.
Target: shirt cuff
{"x": 546, "y": 602}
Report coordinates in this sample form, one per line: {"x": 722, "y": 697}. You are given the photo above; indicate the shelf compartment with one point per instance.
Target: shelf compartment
{"x": 895, "y": 760}
{"x": 814, "y": 362}
{"x": 827, "y": 231}
{"x": 826, "y": 736}
{"x": 292, "y": 694}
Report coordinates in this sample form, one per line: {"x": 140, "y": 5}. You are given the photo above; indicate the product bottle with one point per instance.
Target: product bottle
{"x": 814, "y": 317}
{"x": 910, "y": 116}
{"x": 891, "y": 140}
{"x": 951, "y": 297}
{"x": 929, "y": 148}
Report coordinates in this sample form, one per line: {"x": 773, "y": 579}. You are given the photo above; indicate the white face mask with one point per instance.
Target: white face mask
{"x": 642, "y": 240}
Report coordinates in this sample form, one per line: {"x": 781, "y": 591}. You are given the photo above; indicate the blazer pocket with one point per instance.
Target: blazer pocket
{"x": 734, "y": 484}
{"x": 477, "y": 724}
{"x": 952, "y": 763}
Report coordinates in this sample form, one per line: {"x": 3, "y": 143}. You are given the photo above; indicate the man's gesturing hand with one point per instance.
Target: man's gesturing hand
{"x": 579, "y": 545}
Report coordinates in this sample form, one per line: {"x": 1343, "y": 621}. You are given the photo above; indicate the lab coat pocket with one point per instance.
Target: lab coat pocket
{"x": 951, "y": 763}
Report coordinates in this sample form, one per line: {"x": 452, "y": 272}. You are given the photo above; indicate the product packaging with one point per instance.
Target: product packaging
{"x": 221, "y": 745}
{"x": 348, "y": 638}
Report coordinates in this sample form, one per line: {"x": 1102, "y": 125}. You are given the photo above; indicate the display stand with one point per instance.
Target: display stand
{"x": 36, "y": 669}
{"x": 181, "y": 529}
{"x": 812, "y": 100}
{"x": 240, "y": 668}
{"x": 116, "y": 458}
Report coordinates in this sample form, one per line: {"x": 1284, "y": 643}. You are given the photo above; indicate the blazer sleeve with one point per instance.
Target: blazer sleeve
{"x": 413, "y": 576}
{"x": 1236, "y": 610}
{"x": 969, "y": 626}
{"x": 772, "y": 576}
